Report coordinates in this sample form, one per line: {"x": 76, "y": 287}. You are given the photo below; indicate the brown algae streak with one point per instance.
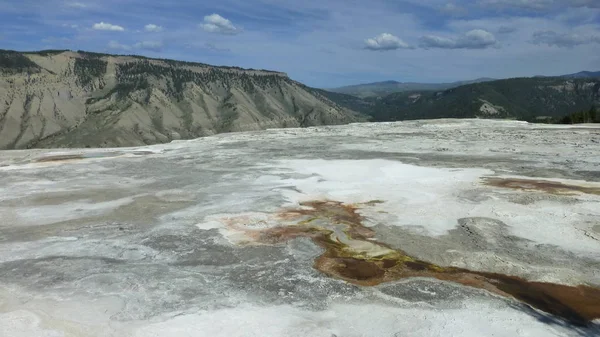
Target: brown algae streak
{"x": 88, "y": 155}
{"x": 352, "y": 255}
{"x": 553, "y": 187}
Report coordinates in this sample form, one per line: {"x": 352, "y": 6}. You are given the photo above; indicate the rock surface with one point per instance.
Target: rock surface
{"x": 168, "y": 239}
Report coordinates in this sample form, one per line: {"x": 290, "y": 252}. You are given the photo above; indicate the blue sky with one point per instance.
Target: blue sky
{"x": 325, "y": 43}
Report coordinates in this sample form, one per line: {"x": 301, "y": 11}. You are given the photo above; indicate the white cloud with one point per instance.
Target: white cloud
{"x": 107, "y": 26}
{"x": 149, "y": 45}
{"x": 215, "y": 23}
{"x": 117, "y": 46}
{"x": 473, "y": 39}
{"x": 153, "y": 28}
{"x": 553, "y": 38}
{"x": 385, "y": 41}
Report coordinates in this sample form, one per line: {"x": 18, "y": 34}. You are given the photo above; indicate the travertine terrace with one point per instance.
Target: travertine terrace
{"x": 423, "y": 228}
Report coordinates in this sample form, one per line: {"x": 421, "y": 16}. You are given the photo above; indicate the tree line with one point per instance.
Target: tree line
{"x": 586, "y": 116}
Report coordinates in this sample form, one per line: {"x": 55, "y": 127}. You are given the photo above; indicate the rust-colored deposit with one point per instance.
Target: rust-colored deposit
{"x": 352, "y": 255}
{"x": 91, "y": 155}
{"x": 62, "y": 157}
{"x": 553, "y": 187}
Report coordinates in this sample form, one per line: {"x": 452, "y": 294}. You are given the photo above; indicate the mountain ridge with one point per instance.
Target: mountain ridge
{"x": 48, "y": 52}
{"x": 63, "y": 98}
{"x": 388, "y": 87}
{"x": 528, "y": 98}
{"x": 391, "y": 86}
{"x": 583, "y": 74}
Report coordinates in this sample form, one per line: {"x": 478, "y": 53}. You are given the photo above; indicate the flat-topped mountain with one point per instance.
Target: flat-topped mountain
{"x": 60, "y": 98}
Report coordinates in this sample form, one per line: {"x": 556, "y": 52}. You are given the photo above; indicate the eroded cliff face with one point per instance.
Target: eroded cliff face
{"x": 77, "y": 99}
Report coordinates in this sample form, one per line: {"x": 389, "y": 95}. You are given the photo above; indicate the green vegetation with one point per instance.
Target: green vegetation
{"x": 14, "y": 62}
{"x": 348, "y": 101}
{"x": 172, "y": 63}
{"x": 175, "y": 63}
{"x": 89, "y": 54}
{"x": 178, "y": 77}
{"x": 518, "y": 98}
{"x": 95, "y": 55}
{"x": 47, "y": 52}
{"x": 88, "y": 69}
{"x": 586, "y": 116}
{"x": 124, "y": 89}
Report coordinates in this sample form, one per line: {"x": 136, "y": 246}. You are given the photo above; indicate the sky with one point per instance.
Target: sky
{"x": 325, "y": 43}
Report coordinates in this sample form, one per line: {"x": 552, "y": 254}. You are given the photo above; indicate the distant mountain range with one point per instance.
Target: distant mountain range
{"x": 389, "y": 87}
{"x": 530, "y": 99}
{"x": 583, "y": 74}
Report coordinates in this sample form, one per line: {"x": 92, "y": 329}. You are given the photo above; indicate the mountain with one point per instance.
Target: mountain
{"x": 60, "y": 98}
{"x": 579, "y": 117}
{"x": 531, "y": 99}
{"x": 583, "y": 74}
{"x": 390, "y": 87}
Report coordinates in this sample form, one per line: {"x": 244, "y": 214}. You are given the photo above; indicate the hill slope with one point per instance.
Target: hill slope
{"x": 390, "y": 87}
{"x": 519, "y": 98}
{"x": 584, "y": 74}
{"x": 77, "y": 99}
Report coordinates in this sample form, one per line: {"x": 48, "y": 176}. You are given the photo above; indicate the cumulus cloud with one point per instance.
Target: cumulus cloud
{"x": 149, "y": 45}
{"x": 564, "y": 40}
{"x": 473, "y": 39}
{"x": 117, "y": 46}
{"x": 107, "y": 26}
{"x": 215, "y": 23}
{"x": 385, "y": 41}
{"x": 153, "y": 28}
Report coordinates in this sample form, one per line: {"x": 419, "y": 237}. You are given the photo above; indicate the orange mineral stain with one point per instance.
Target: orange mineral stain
{"x": 350, "y": 254}
{"x": 547, "y": 186}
